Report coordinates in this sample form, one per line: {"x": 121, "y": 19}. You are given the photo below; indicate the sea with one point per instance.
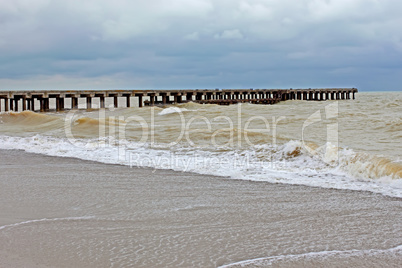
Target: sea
{"x": 298, "y": 183}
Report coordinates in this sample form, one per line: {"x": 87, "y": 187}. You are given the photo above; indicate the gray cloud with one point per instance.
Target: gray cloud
{"x": 200, "y": 43}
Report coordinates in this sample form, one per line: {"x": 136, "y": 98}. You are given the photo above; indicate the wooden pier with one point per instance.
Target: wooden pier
{"x": 43, "y": 100}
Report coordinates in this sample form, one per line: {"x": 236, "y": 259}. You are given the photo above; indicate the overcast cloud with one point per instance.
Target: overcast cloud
{"x": 99, "y": 44}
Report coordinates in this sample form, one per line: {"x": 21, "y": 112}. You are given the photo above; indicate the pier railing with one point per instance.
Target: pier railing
{"x": 61, "y": 100}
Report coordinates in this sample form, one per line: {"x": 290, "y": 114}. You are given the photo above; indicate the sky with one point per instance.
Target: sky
{"x": 190, "y": 44}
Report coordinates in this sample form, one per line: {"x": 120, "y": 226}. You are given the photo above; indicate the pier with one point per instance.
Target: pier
{"x": 42, "y": 101}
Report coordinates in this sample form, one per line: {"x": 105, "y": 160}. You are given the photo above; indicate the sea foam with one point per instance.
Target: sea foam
{"x": 318, "y": 257}
{"x": 289, "y": 163}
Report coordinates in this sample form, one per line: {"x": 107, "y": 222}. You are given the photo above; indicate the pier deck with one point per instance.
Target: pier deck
{"x": 40, "y": 100}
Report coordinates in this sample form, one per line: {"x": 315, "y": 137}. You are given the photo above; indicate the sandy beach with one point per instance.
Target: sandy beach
{"x": 63, "y": 212}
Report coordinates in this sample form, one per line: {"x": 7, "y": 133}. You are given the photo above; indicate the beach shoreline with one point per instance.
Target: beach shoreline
{"x": 189, "y": 219}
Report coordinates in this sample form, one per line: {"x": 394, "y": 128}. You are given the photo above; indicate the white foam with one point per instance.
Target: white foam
{"x": 288, "y": 163}
{"x": 172, "y": 110}
{"x": 45, "y": 220}
{"x": 313, "y": 255}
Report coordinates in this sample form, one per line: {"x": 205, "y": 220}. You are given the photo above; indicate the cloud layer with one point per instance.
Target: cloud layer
{"x": 48, "y": 44}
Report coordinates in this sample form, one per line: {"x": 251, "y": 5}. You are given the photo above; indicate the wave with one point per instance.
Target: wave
{"x": 361, "y": 257}
{"x": 93, "y": 122}
{"x": 27, "y": 118}
{"x": 290, "y": 163}
{"x": 45, "y": 220}
{"x": 393, "y": 104}
{"x": 87, "y": 121}
{"x": 194, "y": 106}
{"x": 364, "y": 165}
{"x": 172, "y": 110}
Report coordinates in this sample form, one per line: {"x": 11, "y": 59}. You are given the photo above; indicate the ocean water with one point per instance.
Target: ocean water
{"x": 351, "y": 144}
{"x": 299, "y": 183}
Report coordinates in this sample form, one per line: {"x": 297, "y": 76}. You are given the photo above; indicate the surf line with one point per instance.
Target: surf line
{"x": 45, "y": 220}
{"x": 346, "y": 253}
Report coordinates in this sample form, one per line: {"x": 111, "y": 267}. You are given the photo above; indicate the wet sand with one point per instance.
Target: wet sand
{"x": 63, "y": 212}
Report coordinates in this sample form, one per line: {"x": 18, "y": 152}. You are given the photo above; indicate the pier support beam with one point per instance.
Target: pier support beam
{"x": 128, "y": 104}
{"x": 16, "y": 104}
{"x": 61, "y": 104}
{"x": 189, "y": 96}
{"x": 41, "y": 107}
{"x": 74, "y": 103}
{"x": 58, "y": 104}
{"x": 6, "y": 105}
{"x": 177, "y": 98}
{"x": 89, "y": 103}
{"x": 102, "y": 101}
{"x": 24, "y": 103}
{"x": 140, "y": 101}
{"x": 115, "y": 102}
{"x": 46, "y": 104}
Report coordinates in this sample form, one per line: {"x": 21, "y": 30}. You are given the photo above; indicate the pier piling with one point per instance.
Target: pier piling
{"x": 10, "y": 100}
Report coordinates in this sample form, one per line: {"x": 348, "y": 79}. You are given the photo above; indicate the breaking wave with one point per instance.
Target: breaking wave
{"x": 247, "y": 142}
{"x": 290, "y": 163}
{"x": 172, "y": 110}
{"x": 27, "y": 118}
